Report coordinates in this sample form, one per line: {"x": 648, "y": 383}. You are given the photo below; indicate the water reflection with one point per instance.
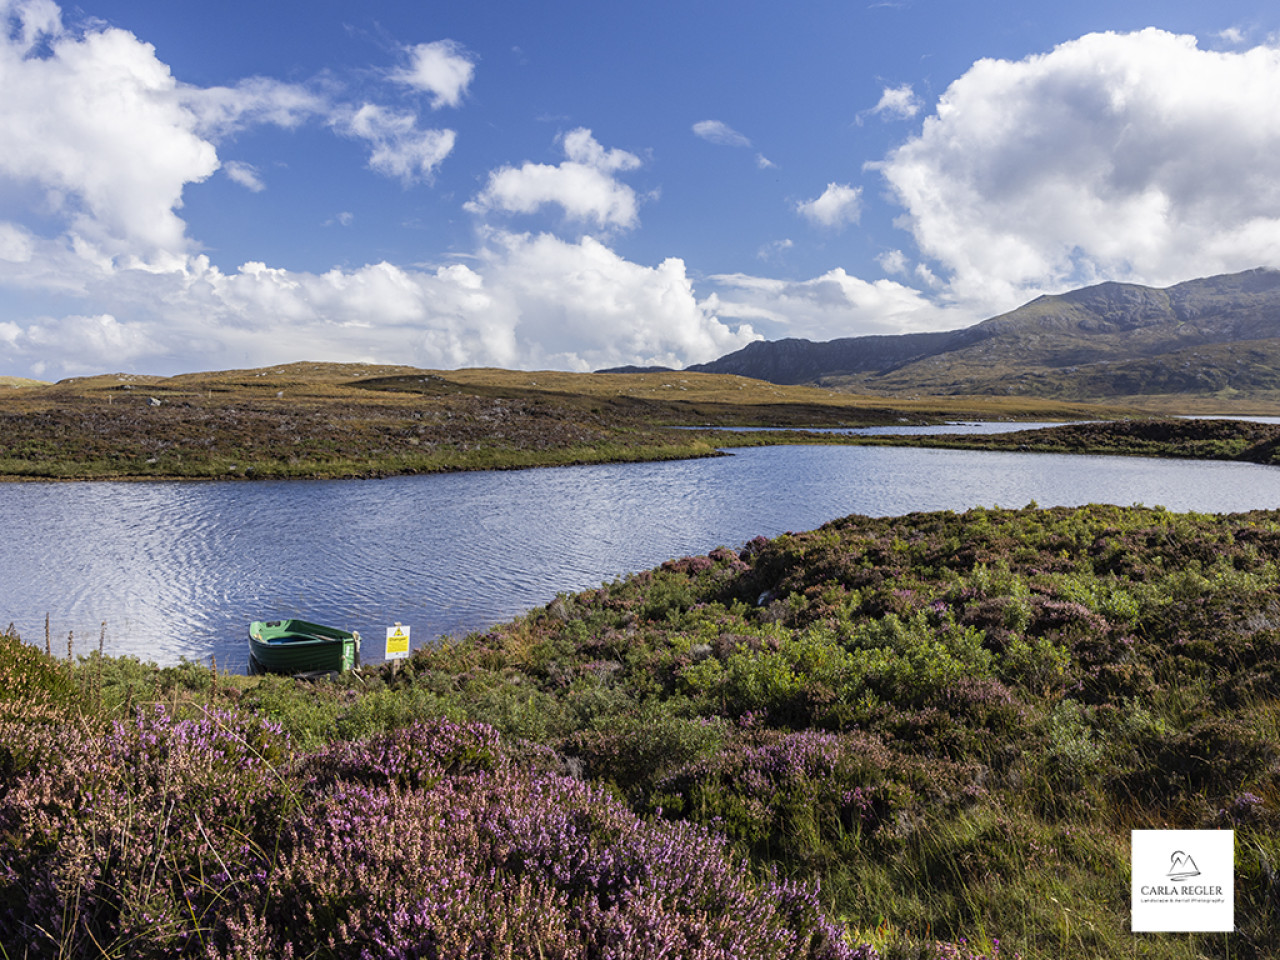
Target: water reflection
{"x": 178, "y": 569}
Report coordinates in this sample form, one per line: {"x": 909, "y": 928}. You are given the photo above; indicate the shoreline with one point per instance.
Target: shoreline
{"x": 1217, "y": 439}
{"x": 318, "y": 421}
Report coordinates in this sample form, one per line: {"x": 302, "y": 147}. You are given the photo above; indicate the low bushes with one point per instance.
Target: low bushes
{"x": 208, "y": 838}
{"x": 945, "y": 723}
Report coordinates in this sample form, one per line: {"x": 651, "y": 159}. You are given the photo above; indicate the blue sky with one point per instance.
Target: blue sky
{"x": 575, "y": 185}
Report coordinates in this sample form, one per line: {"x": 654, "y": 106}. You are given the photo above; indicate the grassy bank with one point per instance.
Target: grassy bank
{"x": 1186, "y": 439}
{"x": 352, "y": 420}
{"x": 946, "y": 723}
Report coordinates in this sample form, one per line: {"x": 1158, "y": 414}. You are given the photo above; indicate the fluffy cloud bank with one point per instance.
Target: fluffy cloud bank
{"x": 830, "y": 306}
{"x": 1115, "y": 156}
{"x": 97, "y": 132}
{"x": 527, "y": 301}
{"x": 101, "y": 133}
{"x": 98, "y": 129}
{"x": 1136, "y": 156}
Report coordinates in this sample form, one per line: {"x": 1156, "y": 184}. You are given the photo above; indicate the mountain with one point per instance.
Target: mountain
{"x": 1210, "y": 336}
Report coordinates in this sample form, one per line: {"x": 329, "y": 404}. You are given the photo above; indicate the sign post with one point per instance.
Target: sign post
{"x": 397, "y": 645}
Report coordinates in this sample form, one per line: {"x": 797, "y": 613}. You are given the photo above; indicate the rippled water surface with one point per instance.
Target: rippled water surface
{"x": 178, "y": 569}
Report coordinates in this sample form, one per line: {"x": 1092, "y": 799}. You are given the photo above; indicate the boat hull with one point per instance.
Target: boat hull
{"x": 299, "y": 646}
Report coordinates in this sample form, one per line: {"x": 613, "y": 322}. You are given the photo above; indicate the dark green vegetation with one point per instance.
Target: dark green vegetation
{"x": 351, "y": 420}
{"x": 1192, "y": 439}
{"x": 1216, "y": 339}
{"x": 951, "y": 721}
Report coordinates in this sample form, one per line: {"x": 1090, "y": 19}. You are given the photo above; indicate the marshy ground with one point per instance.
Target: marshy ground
{"x": 352, "y": 420}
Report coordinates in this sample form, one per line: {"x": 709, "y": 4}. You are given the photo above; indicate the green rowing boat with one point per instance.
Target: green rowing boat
{"x": 297, "y": 646}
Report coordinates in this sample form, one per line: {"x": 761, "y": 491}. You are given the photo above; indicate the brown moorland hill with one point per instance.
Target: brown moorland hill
{"x": 350, "y": 420}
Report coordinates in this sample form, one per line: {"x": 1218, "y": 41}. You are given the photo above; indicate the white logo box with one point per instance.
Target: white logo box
{"x": 1183, "y": 881}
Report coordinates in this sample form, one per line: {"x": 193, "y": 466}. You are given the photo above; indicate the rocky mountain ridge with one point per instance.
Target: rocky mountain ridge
{"x": 1111, "y": 340}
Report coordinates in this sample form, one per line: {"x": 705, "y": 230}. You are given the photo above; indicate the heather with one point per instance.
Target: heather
{"x": 155, "y": 836}
{"x": 951, "y": 721}
{"x": 927, "y": 736}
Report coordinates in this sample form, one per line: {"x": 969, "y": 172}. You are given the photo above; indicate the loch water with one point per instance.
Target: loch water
{"x": 178, "y": 569}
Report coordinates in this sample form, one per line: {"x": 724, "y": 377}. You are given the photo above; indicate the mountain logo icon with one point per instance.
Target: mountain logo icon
{"x": 1182, "y": 867}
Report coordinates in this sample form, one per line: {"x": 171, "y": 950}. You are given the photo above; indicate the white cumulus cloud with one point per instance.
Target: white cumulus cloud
{"x": 900, "y": 103}
{"x": 833, "y": 305}
{"x": 584, "y": 185}
{"x": 444, "y": 69}
{"x": 1132, "y": 156}
{"x": 95, "y": 127}
{"x": 101, "y": 139}
{"x": 526, "y": 301}
{"x": 398, "y": 148}
{"x": 583, "y": 307}
{"x": 838, "y": 205}
{"x": 74, "y": 343}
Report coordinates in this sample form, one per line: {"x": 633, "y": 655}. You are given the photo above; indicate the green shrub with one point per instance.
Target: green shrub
{"x": 633, "y": 751}
{"x": 31, "y": 683}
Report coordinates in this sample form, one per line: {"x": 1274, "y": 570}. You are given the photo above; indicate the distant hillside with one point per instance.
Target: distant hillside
{"x": 1214, "y": 336}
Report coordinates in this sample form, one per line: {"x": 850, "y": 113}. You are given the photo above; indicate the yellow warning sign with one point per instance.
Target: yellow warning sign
{"x": 397, "y": 642}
